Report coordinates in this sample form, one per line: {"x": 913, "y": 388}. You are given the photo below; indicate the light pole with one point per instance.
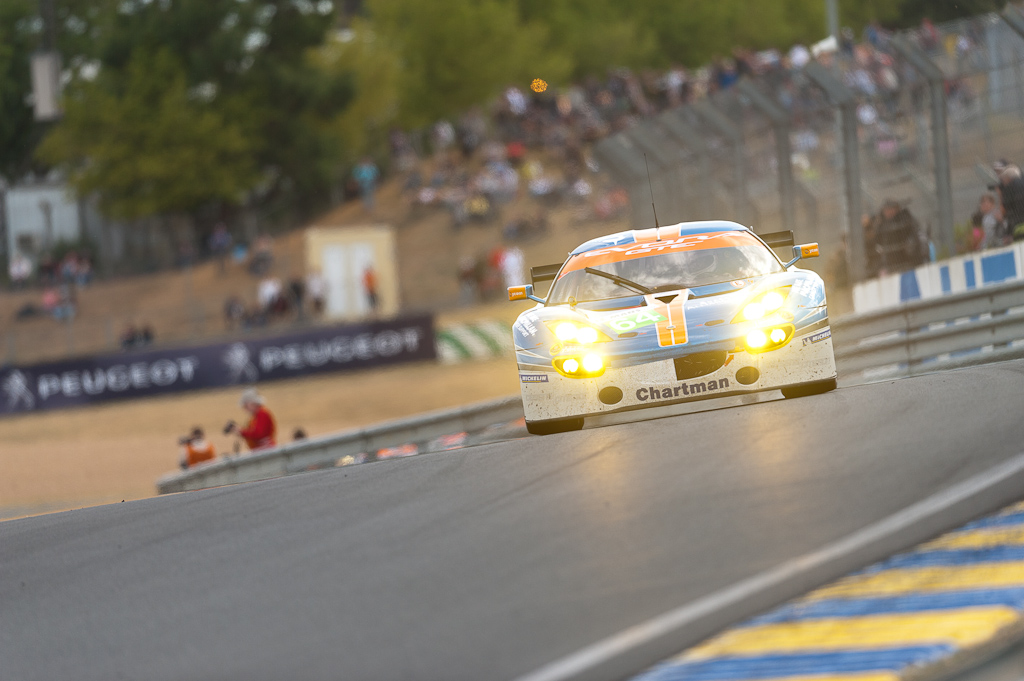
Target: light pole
{"x": 832, "y": 17}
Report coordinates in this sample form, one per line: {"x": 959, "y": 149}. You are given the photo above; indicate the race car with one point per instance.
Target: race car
{"x": 652, "y": 317}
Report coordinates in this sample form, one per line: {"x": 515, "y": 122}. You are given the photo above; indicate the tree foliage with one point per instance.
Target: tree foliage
{"x": 277, "y": 100}
{"x": 18, "y": 133}
{"x": 457, "y": 53}
{"x": 145, "y": 146}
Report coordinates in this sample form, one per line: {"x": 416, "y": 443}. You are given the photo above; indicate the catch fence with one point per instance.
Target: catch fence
{"x": 917, "y": 119}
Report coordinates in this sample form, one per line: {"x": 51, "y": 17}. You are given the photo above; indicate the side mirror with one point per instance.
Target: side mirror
{"x": 523, "y": 293}
{"x": 801, "y": 251}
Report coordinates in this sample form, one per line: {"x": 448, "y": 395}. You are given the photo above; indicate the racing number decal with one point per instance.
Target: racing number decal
{"x": 672, "y": 331}
{"x": 636, "y": 320}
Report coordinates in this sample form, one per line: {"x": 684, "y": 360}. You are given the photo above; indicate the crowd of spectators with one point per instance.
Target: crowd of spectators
{"x": 533, "y": 147}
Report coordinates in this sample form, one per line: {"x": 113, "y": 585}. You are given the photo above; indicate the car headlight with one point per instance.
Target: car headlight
{"x": 763, "y": 305}
{"x": 769, "y": 338}
{"x": 571, "y": 332}
{"x": 590, "y": 365}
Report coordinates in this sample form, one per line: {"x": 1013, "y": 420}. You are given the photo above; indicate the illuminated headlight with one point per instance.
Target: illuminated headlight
{"x": 566, "y": 331}
{"x": 570, "y": 332}
{"x": 756, "y": 339}
{"x": 768, "y": 338}
{"x": 762, "y": 306}
{"x": 753, "y": 311}
{"x": 588, "y": 366}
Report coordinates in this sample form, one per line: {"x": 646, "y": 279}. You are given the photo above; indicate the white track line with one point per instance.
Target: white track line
{"x": 585, "y": 663}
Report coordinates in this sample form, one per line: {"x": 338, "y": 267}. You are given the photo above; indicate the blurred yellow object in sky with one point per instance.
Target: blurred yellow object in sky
{"x": 538, "y": 85}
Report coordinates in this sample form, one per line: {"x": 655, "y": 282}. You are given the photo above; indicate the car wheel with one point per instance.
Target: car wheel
{"x": 808, "y": 389}
{"x": 554, "y": 426}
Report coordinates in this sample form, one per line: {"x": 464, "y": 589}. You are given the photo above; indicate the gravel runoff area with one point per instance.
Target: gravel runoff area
{"x": 82, "y": 457}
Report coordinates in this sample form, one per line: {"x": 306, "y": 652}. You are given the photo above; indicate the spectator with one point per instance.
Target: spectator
{"x": 297, "y": 291}
{"x": 898, "y": 238}
{"x": 195, "y": 449}
{"x": 977, "y": 235}
{"x": 220, "y": 243}
{"x": 991, "y": 222}
{"x": 129, "y": 337}
{"x": 84, "y": 275}
{"x": 20, "y": 271}
{"x": 262, "y": 258}
{"x": 268, "y": 292}
{"x": 512, "y": 266}
{"x": 1011, "y": 193}
{"x": 370, "y": 287}
{"x": 317, "y": 291}
{"x": 366, "y": 174}
{"x": 259, "y": 432}
{"x": 234, "y": 312}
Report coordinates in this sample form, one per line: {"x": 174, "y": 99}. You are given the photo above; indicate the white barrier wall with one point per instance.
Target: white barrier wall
{"x": 956, "y": 275}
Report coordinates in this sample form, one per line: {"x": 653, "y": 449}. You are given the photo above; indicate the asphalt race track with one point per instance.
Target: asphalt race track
{"x": 483, "y": 563}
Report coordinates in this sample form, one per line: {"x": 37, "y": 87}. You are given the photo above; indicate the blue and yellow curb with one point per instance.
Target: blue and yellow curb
{"x": 946, "y": 600}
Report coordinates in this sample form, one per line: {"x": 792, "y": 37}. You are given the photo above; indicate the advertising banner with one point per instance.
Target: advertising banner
{"x": 92, "y": 380}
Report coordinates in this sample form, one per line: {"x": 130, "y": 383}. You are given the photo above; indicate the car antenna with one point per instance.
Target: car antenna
{"x": 657, "y": 227}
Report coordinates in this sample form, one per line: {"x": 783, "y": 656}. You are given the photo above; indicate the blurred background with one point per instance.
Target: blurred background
{"x": 162, "y": 160}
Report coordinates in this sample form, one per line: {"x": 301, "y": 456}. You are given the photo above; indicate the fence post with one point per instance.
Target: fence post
{"x": 940, "y": 135}
{"x": 684, "y": 133}
{"x": 841, "y": 96}
{"x": 717, "y": 119}
{"x": 1015, "y": 20}
{"x": 783, "y": 152}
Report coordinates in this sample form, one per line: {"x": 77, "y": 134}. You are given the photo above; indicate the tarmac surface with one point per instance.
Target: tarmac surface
{"x": 485, "y": 562}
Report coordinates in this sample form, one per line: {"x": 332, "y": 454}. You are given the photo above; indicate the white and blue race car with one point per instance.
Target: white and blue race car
{"x": 673, "y": 314}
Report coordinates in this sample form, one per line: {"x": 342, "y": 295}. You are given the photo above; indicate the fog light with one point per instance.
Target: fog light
{"x": 571, "y": 366}
{"x": 591, "y": 363}
{"x": 757, "y": 339}
{"x": 778, "y": 335}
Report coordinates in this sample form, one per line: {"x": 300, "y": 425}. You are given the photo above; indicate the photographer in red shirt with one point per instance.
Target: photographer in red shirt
{"x": 259, "y": 432}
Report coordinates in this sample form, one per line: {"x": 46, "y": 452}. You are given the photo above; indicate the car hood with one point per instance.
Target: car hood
{"x": 631, "y": 322}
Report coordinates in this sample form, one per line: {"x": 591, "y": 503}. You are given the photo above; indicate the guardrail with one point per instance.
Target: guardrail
{"x": 326, "y": 451}
{"x": 962, "y": 329}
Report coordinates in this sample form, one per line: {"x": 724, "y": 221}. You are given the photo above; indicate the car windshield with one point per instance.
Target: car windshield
{"x": 664, "y": 271}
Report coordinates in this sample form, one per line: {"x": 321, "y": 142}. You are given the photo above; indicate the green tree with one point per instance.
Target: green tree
{"x": 145, "y": 146}
{"x": 458, "y": 53}
{"x": 18, "y": 132}
{"x": 913, "y": 11}
{"x": 593, "y": 35}
{"x": 361, "y": 58}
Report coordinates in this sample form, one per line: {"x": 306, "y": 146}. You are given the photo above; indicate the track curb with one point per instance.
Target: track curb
{"x": 636, "y": 649}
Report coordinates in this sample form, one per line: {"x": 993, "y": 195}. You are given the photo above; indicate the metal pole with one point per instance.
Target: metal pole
{"x": 832, "y": 17}
{"x": 717, "y": 119}
{"x": 940, "y": 137}
{"x": 843, "y": 98}
{"x": 783, "y": 152}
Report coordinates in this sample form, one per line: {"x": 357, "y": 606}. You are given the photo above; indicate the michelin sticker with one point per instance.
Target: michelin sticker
{"x": 818, "y": 337}
{"x": 533, "y": 378}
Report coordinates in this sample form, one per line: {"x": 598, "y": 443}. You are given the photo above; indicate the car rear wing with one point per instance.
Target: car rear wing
{"x": 544, "y": 273}
{"x": 778, "y": 239}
